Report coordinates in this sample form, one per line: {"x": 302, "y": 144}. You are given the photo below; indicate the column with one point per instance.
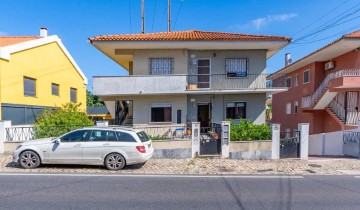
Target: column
{"x": 3, "y": 125}
{"x": 225, "y": 139}
{"x": 304, "y": 140}
{"x": 275, "y": 143}
{"x": 195, "y": 139}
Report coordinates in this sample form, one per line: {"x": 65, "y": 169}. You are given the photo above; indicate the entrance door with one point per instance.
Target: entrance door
{"x": 352, "y": 107}
{"x": 204, "y": 115}
{"x": 203, "y": 73}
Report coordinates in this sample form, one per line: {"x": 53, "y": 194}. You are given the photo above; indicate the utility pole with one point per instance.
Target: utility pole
{"x": 169, "y": 16}
{"x": 142, "y": 17}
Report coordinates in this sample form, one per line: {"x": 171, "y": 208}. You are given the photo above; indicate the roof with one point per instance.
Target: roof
{"x": 306, "y": 60}
{"x": 94, "y": 110}
{"x": 13, "y": 44}
{"x": 10, "y": 40}
{"x": 191, "y": 35}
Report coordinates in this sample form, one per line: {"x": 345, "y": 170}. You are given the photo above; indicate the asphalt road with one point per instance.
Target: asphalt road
{"x": 178, "y": 192}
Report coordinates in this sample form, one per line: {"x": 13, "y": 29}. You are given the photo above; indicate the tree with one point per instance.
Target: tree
{"x": 58, "y": 121}
{"x": 92, "y": 100}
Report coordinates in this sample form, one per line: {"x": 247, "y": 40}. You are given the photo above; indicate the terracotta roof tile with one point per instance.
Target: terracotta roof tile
{"x": 355, "y": 34}
{"x": 192, "y": 35}
{"x": 10, "y": 40}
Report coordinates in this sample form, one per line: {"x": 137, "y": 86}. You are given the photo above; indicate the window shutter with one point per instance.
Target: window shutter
{"x": 29, "y": 87}
{"x": 73, "y": 95}
{"x": 55, "y": 89}
{"x": 161, "y": 66}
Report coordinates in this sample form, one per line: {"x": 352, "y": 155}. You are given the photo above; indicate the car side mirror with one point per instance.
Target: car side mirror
{"x": 57, "y": 141}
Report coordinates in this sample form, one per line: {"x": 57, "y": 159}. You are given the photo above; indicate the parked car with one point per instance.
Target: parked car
{"x": 113, "y": 147}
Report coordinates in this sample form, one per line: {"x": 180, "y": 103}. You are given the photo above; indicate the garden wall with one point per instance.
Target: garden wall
{"x": 250, "y": 150}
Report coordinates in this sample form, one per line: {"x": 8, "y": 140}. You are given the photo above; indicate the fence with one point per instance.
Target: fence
{"x": 164, "y": 131}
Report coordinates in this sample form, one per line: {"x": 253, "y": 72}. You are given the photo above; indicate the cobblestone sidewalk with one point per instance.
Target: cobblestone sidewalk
{"x": 315, "y": 166}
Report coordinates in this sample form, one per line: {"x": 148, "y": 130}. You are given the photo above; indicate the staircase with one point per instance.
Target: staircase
{"x": 128, "y": 121}
{"x": 337, "y": 111}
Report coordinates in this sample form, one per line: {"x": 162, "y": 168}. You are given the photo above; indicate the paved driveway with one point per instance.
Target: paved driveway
{"x": 314, "y": 166}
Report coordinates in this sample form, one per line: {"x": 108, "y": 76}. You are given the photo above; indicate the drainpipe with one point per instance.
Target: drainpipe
{"x": 346, "y": 107}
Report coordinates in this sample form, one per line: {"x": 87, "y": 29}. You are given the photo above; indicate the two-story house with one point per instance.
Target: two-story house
{"x": 175, "y": 77}
{"x": 323, "y": 88}
{"x": 37, "y": 72}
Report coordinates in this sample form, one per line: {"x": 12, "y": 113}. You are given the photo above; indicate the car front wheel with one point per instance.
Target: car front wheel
{"x": 29, "y": 159}
{"x": 114, "y": 161}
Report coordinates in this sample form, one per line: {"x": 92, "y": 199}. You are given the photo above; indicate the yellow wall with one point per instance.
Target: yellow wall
{"x": 47, "y": 64}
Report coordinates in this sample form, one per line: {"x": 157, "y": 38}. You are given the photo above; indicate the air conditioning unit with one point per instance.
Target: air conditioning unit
{"x": 329, "y": 65}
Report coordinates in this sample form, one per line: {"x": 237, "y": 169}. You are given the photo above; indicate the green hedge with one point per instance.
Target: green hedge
{"x": 245, "y": 130}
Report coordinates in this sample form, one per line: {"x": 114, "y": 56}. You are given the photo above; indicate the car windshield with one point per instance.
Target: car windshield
{"x": 143, "y": 136}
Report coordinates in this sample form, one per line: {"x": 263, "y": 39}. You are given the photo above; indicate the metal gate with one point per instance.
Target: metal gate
{"x": 290, "y": 144}
{"x": 210, "y": 140}
{"x": 351, "y": 145}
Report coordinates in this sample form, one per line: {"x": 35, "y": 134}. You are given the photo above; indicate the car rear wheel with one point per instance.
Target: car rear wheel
{"x": 114, "y": 161}
{"x": 29, "y": 159}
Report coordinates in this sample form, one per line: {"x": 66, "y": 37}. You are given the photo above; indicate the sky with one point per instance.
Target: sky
{"x": 310, "y": 23}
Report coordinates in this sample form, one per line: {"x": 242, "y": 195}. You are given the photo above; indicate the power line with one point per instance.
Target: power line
{"x": 177, "y": 15}
{"x": 162, "y": 21}
{"x": 152, "y": 26}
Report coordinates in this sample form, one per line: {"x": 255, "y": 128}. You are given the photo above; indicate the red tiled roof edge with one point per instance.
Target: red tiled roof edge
{"x": 10, "y": 40}
{"x": 191, "y": 35}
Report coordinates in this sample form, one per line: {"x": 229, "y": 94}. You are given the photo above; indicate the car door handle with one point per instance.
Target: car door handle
{"x": 106, "y": 144}
{"x": 77, "y": 145}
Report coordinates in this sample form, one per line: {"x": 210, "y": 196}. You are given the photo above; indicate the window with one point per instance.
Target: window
{"x": 236, "y": 67}
{"x": 29, "y": 87}
{"x": 296, "y": 80}
{"x": 296, "y": 107}
{"x": 160, "y": 66}
{"x": 288, "y": 82}
{"x": 73, "y": 95}
{"x": 236, "y": 110}
{"x": 125, "y": 137}
{"x": 75, "y": 136}
{"x": 99, "y": 135}
{"x": 306, "y": 76}
{"x": 161, "y": 113}
{"x": 54, "y": 89}
{"x": 143, "y": 136}
{"x": 288, "y": 108}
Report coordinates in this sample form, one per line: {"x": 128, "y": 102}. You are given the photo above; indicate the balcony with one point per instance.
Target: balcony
{"x": 176, "y": 84}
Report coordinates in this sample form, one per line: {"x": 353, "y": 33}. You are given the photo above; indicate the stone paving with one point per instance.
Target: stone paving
{"x": 313, "y": 166}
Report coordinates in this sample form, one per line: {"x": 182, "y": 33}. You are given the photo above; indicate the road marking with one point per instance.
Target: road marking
{"x": 157, "y": 176}
{"x": 358, "y": 177}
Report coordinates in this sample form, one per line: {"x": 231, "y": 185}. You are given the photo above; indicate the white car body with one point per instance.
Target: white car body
{"x": 88, "y": 151}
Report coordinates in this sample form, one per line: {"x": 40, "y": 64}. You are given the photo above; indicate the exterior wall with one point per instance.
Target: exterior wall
{"x": 257, "y": 60}
{"x": 142, "y": 105}
{"x": 255, "y": 106}
{"x": 21, "y": 114}
{"x": 47, "y": 64}
{"x": 141, "y": 60}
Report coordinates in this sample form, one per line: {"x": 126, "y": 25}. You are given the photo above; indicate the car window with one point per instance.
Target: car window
{"x": 143, "y": 136}
{"x": 81, "y": 135}
{"x": 125, "y": 137}
{"x": 99, "y": 135}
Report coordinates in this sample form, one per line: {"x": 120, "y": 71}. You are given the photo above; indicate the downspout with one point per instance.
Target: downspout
{"x": 345, "y": 107}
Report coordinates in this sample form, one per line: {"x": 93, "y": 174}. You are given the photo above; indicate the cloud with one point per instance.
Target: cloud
{"x": 263, "y": 21}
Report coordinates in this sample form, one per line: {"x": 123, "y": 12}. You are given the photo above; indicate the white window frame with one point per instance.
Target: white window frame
{"x": 288, "y": 108}
{"x": 304, "y": 76}
{"x": 197, "y": 71}
{"x": 296, "y": 107}
{"x": 296, "y": 80}
{"x": 161, "y": 105}
{"x": 237, "y": 73}
{"x": 161, "y": 70}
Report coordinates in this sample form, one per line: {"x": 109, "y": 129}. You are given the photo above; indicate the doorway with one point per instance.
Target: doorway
{"x": 203, "y": 115}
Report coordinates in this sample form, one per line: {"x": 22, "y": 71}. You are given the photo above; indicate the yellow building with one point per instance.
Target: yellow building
{"x": 37, "y": 72}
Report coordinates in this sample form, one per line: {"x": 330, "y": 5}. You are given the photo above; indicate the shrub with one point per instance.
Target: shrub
{"x": 56, "y": 122}
{"x": 245, "y": 130}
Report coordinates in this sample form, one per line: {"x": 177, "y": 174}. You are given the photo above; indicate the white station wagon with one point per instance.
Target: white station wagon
{"x": 113, "y": 147}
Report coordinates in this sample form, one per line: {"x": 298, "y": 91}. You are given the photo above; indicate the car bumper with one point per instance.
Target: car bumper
{"x": 16, "y": 156}
{"x": 142, "y": 159}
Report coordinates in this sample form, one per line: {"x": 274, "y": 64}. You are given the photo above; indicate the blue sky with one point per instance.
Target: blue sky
{"x": 77, "y": 20}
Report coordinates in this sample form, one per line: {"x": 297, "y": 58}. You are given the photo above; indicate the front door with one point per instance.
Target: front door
{"x": 203, "y": 73}
{"x": 352, "y": 108}
{"x": 204, "y": 115}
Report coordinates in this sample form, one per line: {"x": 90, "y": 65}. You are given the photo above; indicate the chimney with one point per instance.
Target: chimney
{"x": 43, "y": 32}
{"x": 288, "y": 59}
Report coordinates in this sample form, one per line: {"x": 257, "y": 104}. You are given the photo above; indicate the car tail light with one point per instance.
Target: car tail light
{"x": 141, "y": 149}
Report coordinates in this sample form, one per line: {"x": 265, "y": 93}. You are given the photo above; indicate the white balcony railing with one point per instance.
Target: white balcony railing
{"x": 309, "y": 101}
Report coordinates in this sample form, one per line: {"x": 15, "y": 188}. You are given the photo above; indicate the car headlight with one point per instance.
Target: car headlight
{"x": 18, "y": 147}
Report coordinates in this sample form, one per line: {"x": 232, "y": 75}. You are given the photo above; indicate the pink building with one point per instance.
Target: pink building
{"x": 323, "y": 88}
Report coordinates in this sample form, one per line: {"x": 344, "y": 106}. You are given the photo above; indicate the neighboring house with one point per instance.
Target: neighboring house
{"x": 176, "y": 77}
{"x": 323, "y": 88}
{"x": 37, "y": 72}
{"x": 98, "y": 113}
